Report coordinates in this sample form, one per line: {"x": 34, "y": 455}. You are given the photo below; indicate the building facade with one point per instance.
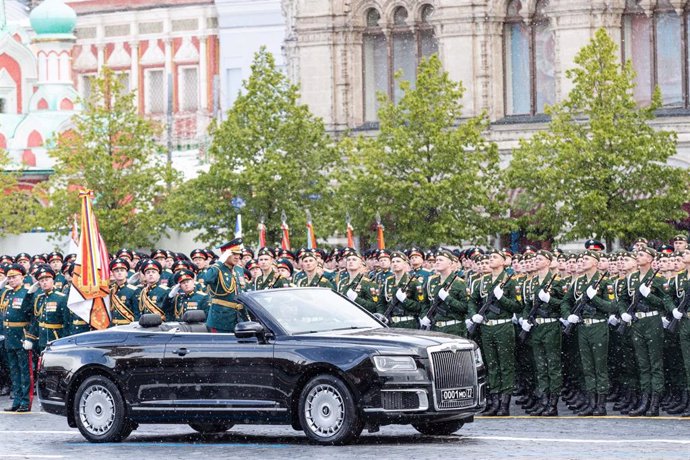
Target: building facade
{"x": 511, "y": 55}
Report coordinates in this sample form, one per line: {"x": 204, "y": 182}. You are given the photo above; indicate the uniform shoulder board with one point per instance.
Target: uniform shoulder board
{"x": 556, "y": 277}
{"x": 60, "y": 294}
{"x": 166, "y": 288}
{"x": 132, "y": 286}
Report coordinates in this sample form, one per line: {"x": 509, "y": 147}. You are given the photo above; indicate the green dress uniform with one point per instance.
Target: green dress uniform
{"x": 647, "y": 333}
{"x": 497, "y": 333}
{"x": 623, "y": 350}
{"x": 593, "y": 336}
{"x": 381, "y": 277}
{"x": 316, "y": 281}
{"x": 366, "y": 290}
{"x": 423, "y": 272}
{"x": 195, "y": 300}
{"x": 405, "y": 314}
{"x": 154, "y": 299}
{"x": 123, "y": 304}
{"x": 60, "y": 282}
{"x": 272, "y": 280}
{"x": 298, "y": 277}
{"x": 166, "y": 278}
{"x": 450, "y": 317}
{"x": 75, "y": 325}
{"x": 680, "y": 286}
{"x": 545, "y": 335}
{"x": 224, "y": 286}
{"x": 51, "y": 317}
{"x": 16, "y": 313}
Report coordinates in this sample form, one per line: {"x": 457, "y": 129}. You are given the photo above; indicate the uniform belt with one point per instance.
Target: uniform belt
{"x": 590, "y": 321}
{"x": 400, "y": 319}
{"x": 15, "y": 324}
{"x": 79, "y": 322}
{"x": 120, "y": 321}
{"x": 225, "y": 303}
{"x": 496, "y": 322}
{"x": 640, "y": 314}
{"x": 448, "y": 323}
{"x": 50, "y": 326}
{"x": 545, "y": 320}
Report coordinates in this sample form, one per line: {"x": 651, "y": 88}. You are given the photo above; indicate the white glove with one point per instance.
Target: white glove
{"x": 352, "y": 295}
{"x": 544, "y": 296}
{"x": 515, "y": 319}
{"x": 401, "y": 295}
{"x": 665, "y": 322}
{"x": 591, "y": 292}
{"x": 478, "y": 319}
{"x": 27, "y": 344}
{"x": 425, "y": 322}
{"x": 564, "y": 322}
{"x": 613, "y": 321}
{"x": 526, "y": 326}
{"x": 2, "y": 338}
{"x": 645, "y": 290}
{"x": 133, "y": 279}
{"x": 626, "y": 317}
{"x": 3, "y": 283}
{"x": 443, "y": 294}
{"x": 174, "y": 290}
{"x": 468, "y": 323}
{"x": 520, "y": 321}
{"x": 498, "y": 292}
{"x": 677, "y": 314}
{"x": 573, "y": 319}
{"x": 33, "y": 288}
{"x": 225, "y": 256}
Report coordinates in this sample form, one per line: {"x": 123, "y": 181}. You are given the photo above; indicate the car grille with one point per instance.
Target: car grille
{"x": 399, "y": 400}
{"x": 453, "y": 370}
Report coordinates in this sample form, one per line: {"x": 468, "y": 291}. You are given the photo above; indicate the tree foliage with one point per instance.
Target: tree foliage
{"x": 113, "y": 151}
{"x": 17, "y": 207}
{"x": 433, "y": 178}
{"x": 600, "y": 169}
{"x": 270, "y": 154}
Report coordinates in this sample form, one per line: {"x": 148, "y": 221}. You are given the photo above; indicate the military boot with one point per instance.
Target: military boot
{"x": 504, "y": 410}
{"x": 632, "y": 404}
{"x": 623, "y": 401}
{"x": 552, "y": 408}
{"x": 680, "y": 407}
{"x": 653, "y": 410}
{"x": 589, "y": 409}
{"x": 600, "y": 409}
{"x": 642, "y": 407}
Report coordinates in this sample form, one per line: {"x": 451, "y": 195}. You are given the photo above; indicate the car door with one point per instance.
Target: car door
{"x": 217, "y": 372}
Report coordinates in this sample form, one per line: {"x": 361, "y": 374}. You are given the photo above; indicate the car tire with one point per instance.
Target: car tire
{"x": 209, "y": 428}
{"x": 327, "y": 411}
{"x": 100, "y": 411}
{"x": 438, "y": 428}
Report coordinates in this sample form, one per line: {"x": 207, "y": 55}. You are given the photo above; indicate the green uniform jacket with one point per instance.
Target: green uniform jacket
{"x": 508, "y": 304}
{"x": 154, "y": 299}
{"x": 270, "y": 281}
{"x": 123, "y": 304}
{"x": 16, "y": 313}
{"x": 316, "y": 281}
{"x": 456, "y": 304}
{"x": 367, "y": 291}
{"x": 76, "y": 325}
{"x": 196, "y": 300}
{"x": 599, "y": 307}
{"x": 413, "y": 304}
{"x": 678, "y": 288}
{"x": 224, "y": 285}
{"x": 51, "y": 317}
{"x": 530, "y": 295}
{"x": 658, "y": 299}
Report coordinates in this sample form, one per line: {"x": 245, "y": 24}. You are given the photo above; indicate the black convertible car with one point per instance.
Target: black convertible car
{"x": 306, "y": 357}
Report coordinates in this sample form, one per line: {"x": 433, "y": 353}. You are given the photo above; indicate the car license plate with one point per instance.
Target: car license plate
{"x": 456, "y": 394}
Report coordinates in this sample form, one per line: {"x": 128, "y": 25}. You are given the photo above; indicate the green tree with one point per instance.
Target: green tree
{"x": 113, "y": 151}
{"x": 433, "y": 178}
{"x": 271, "y": 154}
{"x": 17, "y": 207}
{"x": 600, "y": 169}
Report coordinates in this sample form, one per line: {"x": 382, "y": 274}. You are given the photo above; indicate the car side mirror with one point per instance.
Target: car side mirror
{"x": 249, "y": 329}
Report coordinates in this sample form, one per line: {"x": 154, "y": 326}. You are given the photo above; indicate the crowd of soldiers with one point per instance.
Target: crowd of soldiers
{"x": 589, "y": 327}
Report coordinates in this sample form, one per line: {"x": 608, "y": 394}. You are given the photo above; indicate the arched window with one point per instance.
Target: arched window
{"x": 391, "y": 45}
{"x": 529, "y": 52}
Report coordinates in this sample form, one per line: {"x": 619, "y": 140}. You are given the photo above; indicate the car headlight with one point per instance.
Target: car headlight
{"x": 395, "y": 363}
{"x": 478, "y": 360}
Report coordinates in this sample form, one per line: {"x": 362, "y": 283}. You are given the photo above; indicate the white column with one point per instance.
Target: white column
{"x": 168, "y": 68}
{"x": 203, "y": 74}
{"x": 100, "y": 55}
{"x": 134, "y": 71}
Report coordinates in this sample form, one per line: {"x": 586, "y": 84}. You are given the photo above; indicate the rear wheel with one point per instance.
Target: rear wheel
{"x": 100, "y": 412}
{"x": 327, "y": 411}
{"x": 208, "y": 428}
{"x": 438, "y": 428}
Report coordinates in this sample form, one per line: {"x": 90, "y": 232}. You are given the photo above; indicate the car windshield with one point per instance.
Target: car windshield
{"x": 301, "y": 311}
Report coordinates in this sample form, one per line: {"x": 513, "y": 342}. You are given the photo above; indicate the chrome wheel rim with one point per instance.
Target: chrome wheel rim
{"x": 324, "y": 410}
{"x": 97, "y": 410}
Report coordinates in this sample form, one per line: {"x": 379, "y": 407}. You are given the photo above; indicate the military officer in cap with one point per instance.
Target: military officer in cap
{"x": 497, "y": 333}
{"x": 200, "y": 258}
{"x": 224, "y": 285}
{"x": 269, "y": 278}
{"x": 123, "y": 297}
{"x": 416, "y": 258}
{"x": 186, "y": 296}
{"x": 51, "y": 315}
{"x": 384, "y": 266}
{"x": 24, "y": 259}
{"x": 311, "y": 277}
{"x": 449, "y": 292}
{"x": 153, "y": 298}
{"x": 55, "y": 260}
{"x": 161, "y": 256}
{"x": 680, "y": 243}
{"x": 356, "y": 286}
{"x": 402, "y": 297}
{"x": 285, "y": 270}
{"x": 16, "y": 313}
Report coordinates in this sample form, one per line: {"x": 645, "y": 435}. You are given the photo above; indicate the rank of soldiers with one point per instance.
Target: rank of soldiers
{"x": 589, "y": 328}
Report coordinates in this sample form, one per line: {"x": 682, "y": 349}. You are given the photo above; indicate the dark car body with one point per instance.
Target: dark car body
{"x": 180, "y": 373}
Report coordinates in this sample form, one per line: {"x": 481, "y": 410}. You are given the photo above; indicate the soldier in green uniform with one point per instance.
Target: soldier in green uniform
{"x": 449, "y": 292}
{"x": 311, "y": 276}
{"x": 254, "y": 270}
{"x": 403, "y": 293}
{"x": 416, "y": 257}
{"x": 162, "y": 257}
{"x": 186, "y": 296}
{"x": 123, "y": 297}
{"x": 17, "y": 315}
{"x": 384, "y": 267}
{"x": 497, "y": 333}
{"x": 356, "y": 286}
{"x": 224, "y": 286}
{"x": 51, "y": 315}
{"x": 680, "y": 292}
{"x": 542, "y": 297}
{"x": 24, "y": 259}
{"x": 593, "y": 335}
{"x": 269, "y": 279}
{"x": 55, "y": 260}
{"x": 647, "y": 331}
{"x": 153, "y": 298}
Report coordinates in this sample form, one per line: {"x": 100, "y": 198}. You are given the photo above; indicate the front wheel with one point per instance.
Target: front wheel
{"x": 438, "y": 428}
{"x": 327, "y": 411}
{"x": 99, "y": 411}
{"x": 209, "y": 428}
